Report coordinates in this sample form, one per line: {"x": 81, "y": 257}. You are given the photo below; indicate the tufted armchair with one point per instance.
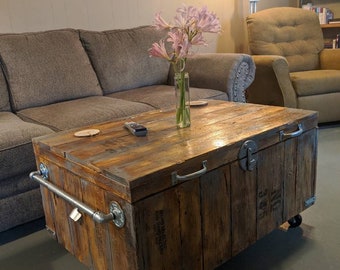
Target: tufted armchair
{"x": 292, "y": 67}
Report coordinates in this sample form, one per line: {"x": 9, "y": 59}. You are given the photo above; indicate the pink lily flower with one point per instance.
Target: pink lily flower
{"x": 160, "y": 23}
{"x": 189, "y": 25}
{"x": 159, "y": 50}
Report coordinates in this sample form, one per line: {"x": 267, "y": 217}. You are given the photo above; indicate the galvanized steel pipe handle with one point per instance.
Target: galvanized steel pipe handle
{"x": 116, "y": 213}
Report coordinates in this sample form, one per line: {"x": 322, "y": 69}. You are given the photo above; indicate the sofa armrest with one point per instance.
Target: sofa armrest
{"x": 330, "y": 59}
{"x": 272, "y": 84}
{"x": 228, "y": 72}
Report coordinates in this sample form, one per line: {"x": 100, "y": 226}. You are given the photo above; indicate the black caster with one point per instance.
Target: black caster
{"x": 295, "y": 221}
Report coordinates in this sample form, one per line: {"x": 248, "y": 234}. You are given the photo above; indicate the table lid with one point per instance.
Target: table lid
{"x": 137, "y": 167}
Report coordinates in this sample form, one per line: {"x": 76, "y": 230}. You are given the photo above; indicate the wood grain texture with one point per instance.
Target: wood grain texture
{"x": 78, "y": 230}
{"x": 138, "y": 162}
{"x": 216, "y": 217}
{"x": 243, "y": 205}
{"x": 300, "y": 172}
{"x": 306, "y": 168}
{"x": 169, "y": 228}
{"x": 270, "y": 189}
{"x": 290, "y": 165}
{"x": 195, "y": 224}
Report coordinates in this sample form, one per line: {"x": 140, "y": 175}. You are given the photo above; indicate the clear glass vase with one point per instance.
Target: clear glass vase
{"x": 182, "y": 99}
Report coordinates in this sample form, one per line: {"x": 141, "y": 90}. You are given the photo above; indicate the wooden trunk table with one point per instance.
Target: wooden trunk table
{"x": 187, "y": 198}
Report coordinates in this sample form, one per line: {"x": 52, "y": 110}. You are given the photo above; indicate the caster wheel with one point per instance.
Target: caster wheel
{"x": 295, "y": 221}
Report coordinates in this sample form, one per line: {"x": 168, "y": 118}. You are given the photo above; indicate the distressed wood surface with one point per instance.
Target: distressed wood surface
{"x": 197, "y": 224}
{"x": 216, "y": 217}
{"x": 169, "y": 228}
{"x": 243, "y": 205}
{"x": 300, "y": 172}
{"x": 132, "y": 166}
{"x": 270, "y": 189}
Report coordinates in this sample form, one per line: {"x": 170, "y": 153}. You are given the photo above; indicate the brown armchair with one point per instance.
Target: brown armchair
{"x": 292, "y": 67}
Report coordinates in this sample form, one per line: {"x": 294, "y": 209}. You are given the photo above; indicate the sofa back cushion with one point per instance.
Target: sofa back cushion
{"x": 46, "y": 67}
{"x": 121, "y": 58}
{"x": 4, "y": 98}
{"x": 294, "y": 33}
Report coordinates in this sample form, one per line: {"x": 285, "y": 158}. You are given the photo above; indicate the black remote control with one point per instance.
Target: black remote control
{"x": 136, "y": 129}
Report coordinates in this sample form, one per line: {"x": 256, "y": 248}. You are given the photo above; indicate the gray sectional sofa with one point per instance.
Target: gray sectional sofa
{"x": 61, "y": 79}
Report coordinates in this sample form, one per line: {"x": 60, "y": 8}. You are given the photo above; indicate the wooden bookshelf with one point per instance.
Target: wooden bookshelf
{"x": 330, "y": 25}
{"x": 332, "y": 29}
{"x": 329, "y": 33}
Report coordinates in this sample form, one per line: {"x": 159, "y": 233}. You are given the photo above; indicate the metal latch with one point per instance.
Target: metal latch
{"x": 248, "y": 155}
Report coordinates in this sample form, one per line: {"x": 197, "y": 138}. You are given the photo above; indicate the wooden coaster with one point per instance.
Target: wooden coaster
{"x": 87, "y": 133}
{"x": 198, "y": 103}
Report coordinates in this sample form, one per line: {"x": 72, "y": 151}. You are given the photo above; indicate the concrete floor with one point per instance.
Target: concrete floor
{"x": 313, "y": 245}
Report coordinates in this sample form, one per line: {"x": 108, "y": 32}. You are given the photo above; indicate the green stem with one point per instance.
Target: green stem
{"x": 183, "y": 109}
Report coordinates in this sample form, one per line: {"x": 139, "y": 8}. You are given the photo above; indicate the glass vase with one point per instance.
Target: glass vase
{"x": 182, "y": 99}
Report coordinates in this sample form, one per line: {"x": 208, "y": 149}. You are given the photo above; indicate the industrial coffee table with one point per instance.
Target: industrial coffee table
{"x": 187, "y": 198}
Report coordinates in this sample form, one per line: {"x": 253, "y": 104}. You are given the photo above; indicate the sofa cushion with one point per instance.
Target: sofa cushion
{"x": 46, "y": 67}
{"x": 17, "y": 184}
{"x": 4, "y": 98}
{"x": 82, "y": 112}
{"x": 20, "y": 208}
{"x": 327, "y": 106}
{"x": 163, "y": 96}
{"x": 121, "y": 59}
{"x": 316, "y": 82}
{"x": 16, "y": 151}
